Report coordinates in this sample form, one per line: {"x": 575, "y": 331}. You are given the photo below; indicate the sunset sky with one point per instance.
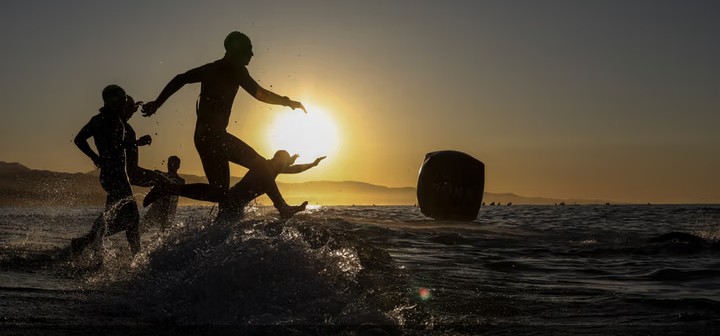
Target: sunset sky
{"x": 611, "y": 100}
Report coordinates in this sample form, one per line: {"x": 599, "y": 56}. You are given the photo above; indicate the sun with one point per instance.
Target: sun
{"x": 310, "y": 135}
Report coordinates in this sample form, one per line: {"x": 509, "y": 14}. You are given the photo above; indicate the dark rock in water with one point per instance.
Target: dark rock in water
{"x": 451, "y": 185}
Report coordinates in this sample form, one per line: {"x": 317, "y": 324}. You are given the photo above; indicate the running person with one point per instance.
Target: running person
{"x": 251, "y": 186}
{"x": 219, "y": 83}
{"x": 108, "y": 130}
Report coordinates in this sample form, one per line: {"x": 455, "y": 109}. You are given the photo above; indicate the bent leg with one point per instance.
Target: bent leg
{"x": 126, "y": 218}
{"x": 217, "y": 170}
{"x": 239, "y": 152}
{"x": 96, "y": 232}
{"x": 121, "y": 212}
{"x": 201, "y": 192}
{"x": 131, "y": 219}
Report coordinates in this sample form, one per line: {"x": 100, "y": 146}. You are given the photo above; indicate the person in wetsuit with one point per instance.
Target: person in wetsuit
{"x": 252, "y": 185}
{"x": 219, "y": 83}
{"x": 108, "y": 131}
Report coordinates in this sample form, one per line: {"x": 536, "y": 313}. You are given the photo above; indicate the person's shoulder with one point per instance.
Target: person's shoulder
{"x": 97, "y": 117}
{"x": 215, "y": 65}
{"x": 100, "y": 119}
{"x": 204, "y": 70}
{"x": 243, "y": 71}
{"x": 227, "y": 67}
{"x": 108, "y": 122}
{"x": 174, "y": 178}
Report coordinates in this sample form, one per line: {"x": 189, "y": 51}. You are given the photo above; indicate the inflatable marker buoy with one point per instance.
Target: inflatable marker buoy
{"x": 451, "y": 185}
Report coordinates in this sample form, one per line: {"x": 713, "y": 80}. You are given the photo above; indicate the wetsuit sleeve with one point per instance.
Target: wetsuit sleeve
{"x": 298, "y": 168}
{"x": 195, "y": 75}
{"x": 247, "y": 82}
{"x": 192, "y": 76}
{"x": 254, "y": 89}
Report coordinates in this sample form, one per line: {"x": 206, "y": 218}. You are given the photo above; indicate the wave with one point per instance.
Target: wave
{"x": 308, "y": 271}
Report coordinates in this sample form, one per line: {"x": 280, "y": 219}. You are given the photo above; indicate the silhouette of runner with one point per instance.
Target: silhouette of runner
{"x": 108, "y": 131}
{"x": 251, "y": 185}
{"x": 162, "y": 211}
{"x": 220, "y": 82}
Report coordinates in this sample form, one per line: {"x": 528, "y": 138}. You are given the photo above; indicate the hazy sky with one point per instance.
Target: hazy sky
{"x": 615, "y": 100}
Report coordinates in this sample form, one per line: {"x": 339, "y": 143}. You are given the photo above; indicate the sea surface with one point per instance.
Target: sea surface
{"x": 515, "y": 270}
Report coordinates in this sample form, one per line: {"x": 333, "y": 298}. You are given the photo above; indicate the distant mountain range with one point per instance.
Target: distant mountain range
{"x": 22, "y": 186}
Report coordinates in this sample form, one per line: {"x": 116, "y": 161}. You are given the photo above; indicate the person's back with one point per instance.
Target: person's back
{"x": 108, "y": 133}
{"x": 219, "y": 84}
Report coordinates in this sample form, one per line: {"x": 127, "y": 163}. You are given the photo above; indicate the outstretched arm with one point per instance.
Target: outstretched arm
{"x": 192, "y": 76}
{"x": 266, "y": 96}
{"x": 299, "y": 168}
{"x": 81, "y": 141}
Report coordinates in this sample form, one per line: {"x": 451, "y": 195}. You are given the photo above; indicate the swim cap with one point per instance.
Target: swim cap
{"x": 113, "y": 95}
{"x": 237, "y": 41}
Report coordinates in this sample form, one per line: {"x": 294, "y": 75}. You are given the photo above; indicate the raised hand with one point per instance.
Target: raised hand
{"x": 294, "y": 104}
{"x": 317, "y": 161}
{"x": 293, "y": 158}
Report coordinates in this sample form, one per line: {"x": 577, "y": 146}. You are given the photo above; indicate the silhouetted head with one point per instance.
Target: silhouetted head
{"x": 281, "y": 159}
{"x": 114, "y": 98}
{"x": 173, "y": 164}
{"x": 238, "y": 48}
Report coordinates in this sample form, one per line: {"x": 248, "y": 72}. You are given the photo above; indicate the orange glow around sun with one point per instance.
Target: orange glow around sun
{"x": 309, "y": 135}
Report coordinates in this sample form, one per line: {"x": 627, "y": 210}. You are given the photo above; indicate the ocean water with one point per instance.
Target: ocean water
{"x": 515, "y": 270}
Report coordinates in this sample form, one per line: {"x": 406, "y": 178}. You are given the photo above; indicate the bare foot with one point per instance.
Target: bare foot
{"x": 288, "y": 211}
